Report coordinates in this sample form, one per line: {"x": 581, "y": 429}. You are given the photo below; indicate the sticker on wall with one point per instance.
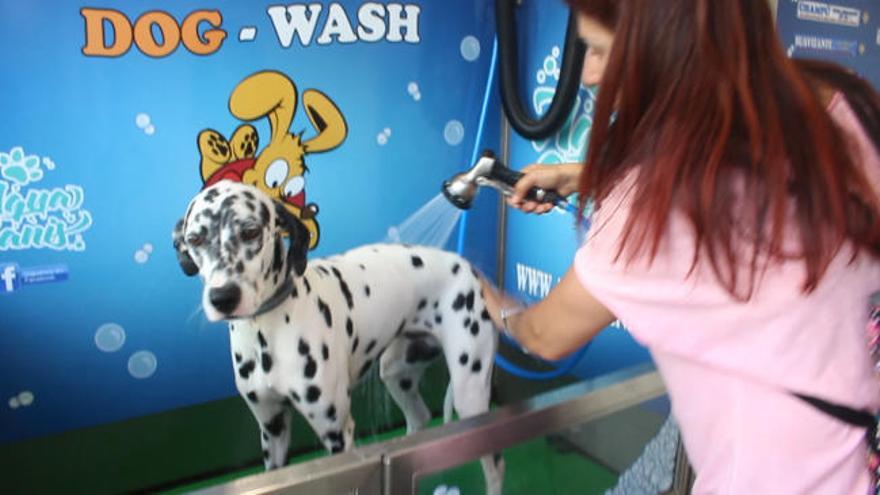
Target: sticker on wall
{"x": 279, "y": 168}
{"x": 38, "y": 218}
{"x": 13, "y": 277}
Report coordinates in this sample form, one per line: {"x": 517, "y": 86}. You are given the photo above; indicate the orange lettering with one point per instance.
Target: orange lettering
{"x": 211, "y": 40}
{"x": 96, "y": 42}
{"x": 143, "y": 33}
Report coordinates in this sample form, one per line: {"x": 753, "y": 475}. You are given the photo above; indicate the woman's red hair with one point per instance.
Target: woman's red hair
{"x": 701, "y": 93}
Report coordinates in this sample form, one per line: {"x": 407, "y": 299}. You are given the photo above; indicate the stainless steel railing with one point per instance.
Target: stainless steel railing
{"x": 395, "y": 466}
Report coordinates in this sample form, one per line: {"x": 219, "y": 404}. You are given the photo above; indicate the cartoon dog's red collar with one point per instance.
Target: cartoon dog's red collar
{"x": 234, "y": 171}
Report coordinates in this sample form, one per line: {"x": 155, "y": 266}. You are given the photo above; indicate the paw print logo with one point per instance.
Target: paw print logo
{"x": 570, "y": 143}
{"x": 20, "y": 169}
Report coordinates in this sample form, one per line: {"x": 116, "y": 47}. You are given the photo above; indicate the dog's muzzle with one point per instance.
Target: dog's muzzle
{"x": 226, "y": 298}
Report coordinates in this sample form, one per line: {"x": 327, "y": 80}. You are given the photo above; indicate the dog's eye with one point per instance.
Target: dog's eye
{"x": 276, "y": 173}
{"x": 195, "y": 239}
{"x": 250, "y": 233}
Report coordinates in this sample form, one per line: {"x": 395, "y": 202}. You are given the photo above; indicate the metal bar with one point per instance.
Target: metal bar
{"x": 440, "y": 448}
{"x": 394, "y": 466}
{"x": 357, "y": 471}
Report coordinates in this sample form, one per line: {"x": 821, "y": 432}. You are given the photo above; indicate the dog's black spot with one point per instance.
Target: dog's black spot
{"x": 331, "y": 412}
{"x": 308, "y": 285}
{"x": 294, "y": 396}
{"x": 467, "y": 322}
{"x": 474, "y": 272}
{"x": 455, "y": 268}
{"x": 438, "y": 319}
{"x": 463, "y": 359}
{"x": 429, "y": 324}
{"x": 423, "y": 303}
{"x": 421, "y": 349}
{"x": 416, "y": 319}
{"x": 400, "y": 328}
{"x": 303, "y": 347}
{"x": 264, "y": 214}
{"x": 294, "y": 293}
{"x": 267, "y": 361}
{"x": 365, "y": 368}
{"x": 265, "y": 436}
{"x": 477, "y": 366}
{"x": 252, "y": 396}
{"x": 485, "y": 315}
{"x": 367, "y": 290}
{"x": 343, "y": 286}
{"x": 349, "y": 327}
{"x": 497, "y": 458}
{"x": 239, "y": 267}
{"x": 311, "y": 367}
{"x": 278, "y": 256}
{"x": 276, "y": 425}
{"x": 249, "y": 195}
{"x": 470, "y": 301}
{"x": 265, "y": 453}
{"x": 475, "y": 328}
{"x": 286, "y": 318}
{"x": 286, "y": 401}
{"x": 362, "y": 266}
{"x": 325, "y": 352}
{"x": 247, "y": 368}
{"x": 405, "y": 384}
{"x": 322, "y": 270}
{"x": 325, "y": 310}
{"x": 211, "y": 195}
{"x": 417, "y": 262}
{"x": 459, "y": 302}
{"x": 336, "y": 440}
{"x": 370, "y": 346}
{"x": 237, "y": 357}
{"x": 313, "y": 393}
{"x": 354, "y": 345}
{"x": 261, "y": 339}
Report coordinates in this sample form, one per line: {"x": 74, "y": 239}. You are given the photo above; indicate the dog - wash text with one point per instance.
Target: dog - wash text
{"x": 157, "y": 33}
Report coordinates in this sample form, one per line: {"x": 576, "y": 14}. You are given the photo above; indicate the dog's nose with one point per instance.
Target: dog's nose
{"x": 225, "y": 298}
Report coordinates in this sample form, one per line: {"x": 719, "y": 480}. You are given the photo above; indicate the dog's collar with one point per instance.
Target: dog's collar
{"x": 277, "y": 298}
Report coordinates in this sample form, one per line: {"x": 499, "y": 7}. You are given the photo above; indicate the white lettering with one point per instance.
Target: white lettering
{"x": 396, "y": 22}
{"x": 371, "y": 22}
{"x": 337, "y": 25}
{"x": 292, "y": 20}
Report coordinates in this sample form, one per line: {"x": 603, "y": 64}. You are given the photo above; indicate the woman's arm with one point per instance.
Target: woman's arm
{"x": 558, "y": 325}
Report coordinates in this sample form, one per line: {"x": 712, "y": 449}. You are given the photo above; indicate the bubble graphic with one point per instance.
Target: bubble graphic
{"x": 150, "y": 130}
{"x": 141, "y": 256}
{"x": 412, "y": 88}
{"x": 13, "y": 403}
{"x": 393, "y": 234}
{"x": 26, "y": 398}
{"x": 142, "y": 120}
{"x": 440, "y": 490}
{"x": 470, "y": 48}
{"x": 382, "y": 139}
{"x": 417, "y": 96}
{"x": 387, "y": 131}
{"x": 453, "y": 490}
{"x": 110, "y": 337}
{"x": 148, "y": 248}
{"x": 453, "y": 133}
{"x": 142, "y": 364}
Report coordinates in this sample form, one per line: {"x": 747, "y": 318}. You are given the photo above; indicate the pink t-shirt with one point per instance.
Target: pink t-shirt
{"x": 730, "y": 366}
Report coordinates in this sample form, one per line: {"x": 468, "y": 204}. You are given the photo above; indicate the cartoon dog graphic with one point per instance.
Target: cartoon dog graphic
{"x": 278, "y": 170}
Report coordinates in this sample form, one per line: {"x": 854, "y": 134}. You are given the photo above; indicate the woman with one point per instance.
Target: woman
{"x": 736, "y": 235}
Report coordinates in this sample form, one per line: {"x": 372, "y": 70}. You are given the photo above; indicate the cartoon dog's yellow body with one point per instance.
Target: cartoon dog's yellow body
{"x": 278, "y": 169}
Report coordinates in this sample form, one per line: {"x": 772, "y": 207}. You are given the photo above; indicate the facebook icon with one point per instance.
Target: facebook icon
{"x": 9, "y": 279}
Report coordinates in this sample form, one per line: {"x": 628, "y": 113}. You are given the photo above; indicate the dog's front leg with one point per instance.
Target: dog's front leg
{"x": 274, "y": 420}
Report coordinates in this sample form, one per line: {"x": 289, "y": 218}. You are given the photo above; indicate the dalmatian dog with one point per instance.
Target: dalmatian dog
{"x": 303, "y": 334}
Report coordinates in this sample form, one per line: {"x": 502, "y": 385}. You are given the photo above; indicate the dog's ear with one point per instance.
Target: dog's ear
{"x": 298, "y": 237}
{"x": 186, "y": 262}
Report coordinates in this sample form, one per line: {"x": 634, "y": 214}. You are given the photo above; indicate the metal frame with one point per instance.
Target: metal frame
{"x": 395, "y": 466}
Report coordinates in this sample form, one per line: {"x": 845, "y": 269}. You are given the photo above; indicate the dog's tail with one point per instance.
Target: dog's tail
{"x": 447, "y": 404}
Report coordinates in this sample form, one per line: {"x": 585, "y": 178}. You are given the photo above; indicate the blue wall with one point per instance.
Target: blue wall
{"x": 114, "y": 140}
{"x": 540, "y": 249}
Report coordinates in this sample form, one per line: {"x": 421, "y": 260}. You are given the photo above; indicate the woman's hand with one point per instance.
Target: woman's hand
{"x": 563, "y": 178}
{"x": 496, "y": 301}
